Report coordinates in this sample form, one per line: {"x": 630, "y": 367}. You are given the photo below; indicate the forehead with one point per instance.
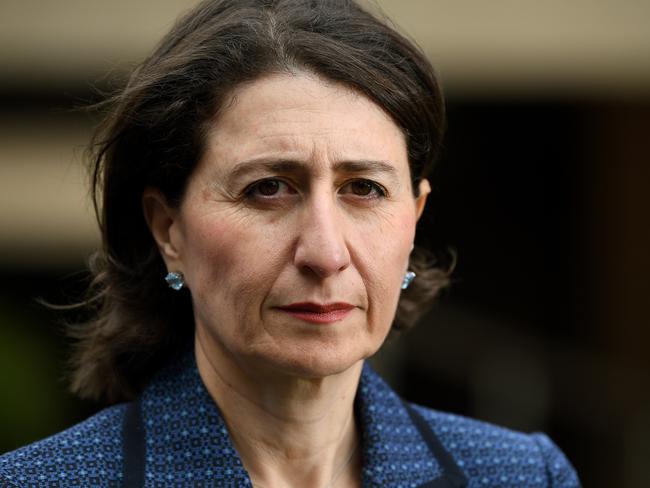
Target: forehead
{"x": 302, "y": 117}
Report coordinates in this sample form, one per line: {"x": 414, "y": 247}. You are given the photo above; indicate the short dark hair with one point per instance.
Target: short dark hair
{"x": 153, "y": 135}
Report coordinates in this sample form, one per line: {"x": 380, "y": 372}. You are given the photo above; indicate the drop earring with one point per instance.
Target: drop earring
{"x": 175, "y": 280}
{"x": 408, "y": 279}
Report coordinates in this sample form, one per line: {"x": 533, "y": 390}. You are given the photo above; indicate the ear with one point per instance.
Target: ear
{"x": 423, "y": 192}
{"x": 162, "y": 220}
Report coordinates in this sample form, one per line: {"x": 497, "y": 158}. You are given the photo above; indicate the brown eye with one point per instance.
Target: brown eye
{"x": 361, "y": 188}
{"x": 365, "y": 189}
{"x": 268, "y": 188}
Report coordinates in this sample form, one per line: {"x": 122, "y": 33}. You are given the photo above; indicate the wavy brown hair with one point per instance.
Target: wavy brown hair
{"x": 153, "y": 135}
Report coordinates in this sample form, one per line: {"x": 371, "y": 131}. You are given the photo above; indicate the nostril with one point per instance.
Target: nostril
{"x": 321, "y": 263}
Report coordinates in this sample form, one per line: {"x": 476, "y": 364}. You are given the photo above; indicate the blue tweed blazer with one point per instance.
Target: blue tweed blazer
{"x": 174, "y": 435}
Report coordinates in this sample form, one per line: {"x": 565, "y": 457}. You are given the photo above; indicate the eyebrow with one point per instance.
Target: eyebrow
{"x": 295, "y": 166}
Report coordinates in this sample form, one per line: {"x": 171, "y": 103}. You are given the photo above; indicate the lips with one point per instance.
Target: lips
{"x": 318, "y": 313}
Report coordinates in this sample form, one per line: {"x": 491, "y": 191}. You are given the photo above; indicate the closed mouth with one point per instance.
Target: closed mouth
{"x": 318, "y": 313}
{"x": 316, "y": 307}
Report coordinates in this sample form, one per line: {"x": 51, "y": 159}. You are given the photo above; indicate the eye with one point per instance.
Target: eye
{"x": 366, "y": 189}
{"x": 268, "y": 188}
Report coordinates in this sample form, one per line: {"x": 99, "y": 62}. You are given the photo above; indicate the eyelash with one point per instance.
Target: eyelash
{"x": 380, "y": 191}
{"x": 250, "y": 191}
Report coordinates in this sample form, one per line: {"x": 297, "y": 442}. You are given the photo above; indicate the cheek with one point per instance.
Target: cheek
{"x": 388, "y": 240}
{"x": 229, "y": 259}
{"x": 385, "y": 260}
{"x": 209, "y": 250}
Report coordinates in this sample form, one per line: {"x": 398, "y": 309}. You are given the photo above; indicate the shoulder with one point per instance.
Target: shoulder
{"x": 87, "y": 454}
{"x": 490, "y": 455}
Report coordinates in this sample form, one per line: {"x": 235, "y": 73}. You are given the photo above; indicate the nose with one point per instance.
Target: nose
{"x": 321, "y": 248}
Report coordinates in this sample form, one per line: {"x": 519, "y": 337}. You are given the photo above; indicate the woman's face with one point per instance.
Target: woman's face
{"x": 296, "y": 227}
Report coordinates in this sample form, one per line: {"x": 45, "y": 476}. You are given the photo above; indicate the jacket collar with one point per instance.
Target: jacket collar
{"x": 187, "y": 440}
{"x": 393, "y": 449}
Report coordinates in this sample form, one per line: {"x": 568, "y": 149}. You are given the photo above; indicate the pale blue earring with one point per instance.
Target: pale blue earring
{"x": 175, "y": 280}
{"x": 408, "y": 279}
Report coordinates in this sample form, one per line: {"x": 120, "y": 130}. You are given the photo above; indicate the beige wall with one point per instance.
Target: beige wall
{"x": 577, "y": 45}
{"x": 528, "y": 48}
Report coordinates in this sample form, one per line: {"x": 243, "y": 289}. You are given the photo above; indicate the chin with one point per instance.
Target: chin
{"x": 315, "y": 363}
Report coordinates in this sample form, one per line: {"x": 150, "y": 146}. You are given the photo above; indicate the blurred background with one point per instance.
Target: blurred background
{"x": 543, "y": 189}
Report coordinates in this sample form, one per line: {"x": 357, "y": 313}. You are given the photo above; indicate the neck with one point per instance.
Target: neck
{"x": 289, "y": 431}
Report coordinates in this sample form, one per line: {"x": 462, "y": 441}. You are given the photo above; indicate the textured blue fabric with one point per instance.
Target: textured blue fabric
{"x": 187, "y": 444}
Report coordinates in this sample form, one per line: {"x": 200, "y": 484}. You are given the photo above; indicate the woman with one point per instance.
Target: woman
{"x": 269, "y": 160}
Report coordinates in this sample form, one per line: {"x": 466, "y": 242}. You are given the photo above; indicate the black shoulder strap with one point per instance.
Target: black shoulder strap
{"x": 133, "y": 447}
{"x": 452, "y": 476}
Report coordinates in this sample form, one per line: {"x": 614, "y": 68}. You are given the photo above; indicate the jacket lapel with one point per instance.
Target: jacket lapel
{"x": 186, "y": 439}
{"x": 400, "y": 449}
